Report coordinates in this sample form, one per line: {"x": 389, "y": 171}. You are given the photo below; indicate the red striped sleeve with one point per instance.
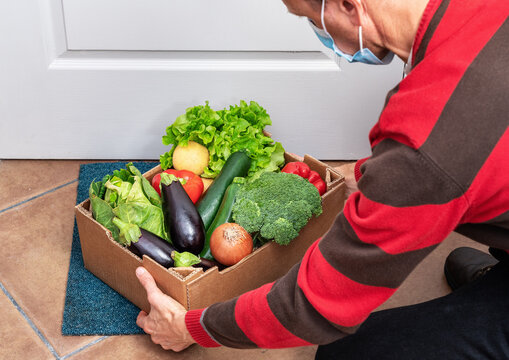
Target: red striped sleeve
{"x": 197, "y": 331}
{"x": 336, "y": 297}
{"x": 362, "y": 266}
{"x": 490, "y": 185}
{"x": 357, "y": 168}
{"x": 258, "y": 322}
{"x": 396, "y": 230}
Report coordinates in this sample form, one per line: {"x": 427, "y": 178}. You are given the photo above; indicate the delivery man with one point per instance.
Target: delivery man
{"x": 440, "y": 162}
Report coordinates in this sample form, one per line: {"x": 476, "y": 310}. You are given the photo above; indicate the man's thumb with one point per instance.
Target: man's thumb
{"x": 148, "y": 282}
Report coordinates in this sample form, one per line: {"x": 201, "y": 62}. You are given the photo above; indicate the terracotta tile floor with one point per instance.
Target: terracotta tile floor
{"x": 36, "y": 222}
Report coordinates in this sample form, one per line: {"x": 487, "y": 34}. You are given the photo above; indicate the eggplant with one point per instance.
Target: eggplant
{"x": 152, "y": 245}
{"x": 207, "y": 264}
{"x": 181, "y": 218}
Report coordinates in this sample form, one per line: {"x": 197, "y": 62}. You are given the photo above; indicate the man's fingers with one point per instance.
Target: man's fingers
{"x": 140, "y": 320}
{"x": 148, "y": 282}
{"x": 179, "y": 348}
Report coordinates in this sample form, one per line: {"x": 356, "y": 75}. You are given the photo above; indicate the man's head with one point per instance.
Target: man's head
{"x": 387, "y": 25}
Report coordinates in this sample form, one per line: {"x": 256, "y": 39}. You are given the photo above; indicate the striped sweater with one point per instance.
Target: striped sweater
{"x": 440, "y": 162}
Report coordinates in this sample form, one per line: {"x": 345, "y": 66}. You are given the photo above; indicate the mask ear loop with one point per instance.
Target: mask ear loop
{"x": 360, "y": 39}
{"x": 322, "y": 18}
{"x": 336, "y": 57}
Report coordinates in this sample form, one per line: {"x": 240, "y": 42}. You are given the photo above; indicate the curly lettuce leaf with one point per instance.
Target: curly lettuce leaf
{"x": 276, "y": 159}
{"x": 224, "y": 132}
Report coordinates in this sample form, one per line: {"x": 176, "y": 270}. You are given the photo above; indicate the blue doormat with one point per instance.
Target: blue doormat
{"x": 91, "y": 306}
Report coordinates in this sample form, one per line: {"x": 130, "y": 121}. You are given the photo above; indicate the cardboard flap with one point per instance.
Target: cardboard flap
{"x": 333, "y": 178}
{"x": 152, "y": 172}
{"x": 315, "y": 164}
{"x": 289, "y": 157}
{"x": 100, "y": 251}
{"x": 187, "y": 274}
{"x": 167, "y": 281}
{"x": 84, "y": 207}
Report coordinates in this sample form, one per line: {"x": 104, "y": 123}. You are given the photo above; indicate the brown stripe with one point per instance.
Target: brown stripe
{"x": 293, "y": 310}
{"x": 367, "y": 263}
{"x": 391, "y": 94}
{"x": 430, "y": 31}
{"x": 501, "y": 220}
{"x": 494, "y": 232}
{"x": 476, "y": 115}
{"x": 400, "y": 176}
{"x": 228, "y": 333}
{"x": 486, "y": 234}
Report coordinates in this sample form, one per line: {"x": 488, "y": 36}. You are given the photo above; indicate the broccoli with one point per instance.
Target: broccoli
{"x": 281, "y": 230}
{"x": 277, "y": 205}
{"x": 250, "y": 216}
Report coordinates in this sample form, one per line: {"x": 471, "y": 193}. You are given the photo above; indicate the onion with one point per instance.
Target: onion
{"x": 230, "y": 243}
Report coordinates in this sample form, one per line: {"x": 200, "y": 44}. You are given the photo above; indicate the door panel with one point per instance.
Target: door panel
{"x": 196, "y": 25}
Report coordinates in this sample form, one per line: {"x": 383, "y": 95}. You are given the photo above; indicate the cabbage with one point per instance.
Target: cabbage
{"x": 129, "y": 197}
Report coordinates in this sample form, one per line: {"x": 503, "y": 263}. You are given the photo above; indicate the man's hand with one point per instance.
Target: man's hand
{"x": 348, "y": 171}
{"x": 166, "y": 321}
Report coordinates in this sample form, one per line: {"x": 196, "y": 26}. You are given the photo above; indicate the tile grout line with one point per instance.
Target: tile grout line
{"x": 38, "y": 195}
{"x": 30, "y": 322}
{"x": 83, "y": 347}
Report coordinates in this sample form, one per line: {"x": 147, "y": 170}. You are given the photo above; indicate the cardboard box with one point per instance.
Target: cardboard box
{"x": 192, "y": 287}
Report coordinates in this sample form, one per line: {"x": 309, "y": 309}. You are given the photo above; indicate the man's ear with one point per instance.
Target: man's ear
{"x": 352, "y": 9}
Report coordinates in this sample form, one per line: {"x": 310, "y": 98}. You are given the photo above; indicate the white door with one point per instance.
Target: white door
{"x": 102, "y": 79}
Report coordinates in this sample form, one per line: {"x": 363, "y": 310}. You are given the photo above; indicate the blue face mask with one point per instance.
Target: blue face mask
{"x": 364, "y": 55}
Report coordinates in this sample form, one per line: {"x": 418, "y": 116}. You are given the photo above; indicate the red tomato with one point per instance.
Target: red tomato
{"x": 315, "y": 179}
{"x": 303, "y": 170}
{"x": 297, "y": 167}
{"x": 193, "y": 185}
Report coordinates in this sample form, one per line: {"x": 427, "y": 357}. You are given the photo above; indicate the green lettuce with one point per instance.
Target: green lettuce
{"x": 129, "y": 233}
{"x": 117, "y": 191}
{"x": 224, "y": 132}
{"x": 185, "y": 259}
{"x": 148, "y": 189}
{"x": 137, "y": 209}
{"x": 101, "y": 210}
{"x": 129, "y": 201}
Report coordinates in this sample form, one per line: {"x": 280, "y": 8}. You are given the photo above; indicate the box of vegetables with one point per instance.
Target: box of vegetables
{"x": 226, "y": 211}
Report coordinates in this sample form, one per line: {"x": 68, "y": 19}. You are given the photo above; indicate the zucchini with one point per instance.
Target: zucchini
{"x": 224, "y": 215}
{"x": 237, "y": 165}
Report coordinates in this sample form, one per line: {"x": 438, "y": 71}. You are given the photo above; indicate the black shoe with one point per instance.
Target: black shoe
{"x": 464, "y": 265}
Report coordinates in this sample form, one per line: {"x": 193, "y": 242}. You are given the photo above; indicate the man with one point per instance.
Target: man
{"x": 439, "y": 163}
